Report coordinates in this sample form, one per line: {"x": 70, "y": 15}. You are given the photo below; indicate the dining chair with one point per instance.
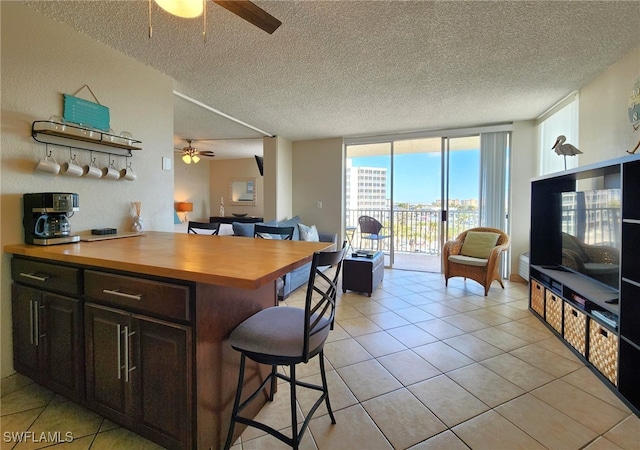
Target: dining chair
{"x": 203, "y": 228}
{"x": 268, "y": 232}
{"x": 287, "y": 335}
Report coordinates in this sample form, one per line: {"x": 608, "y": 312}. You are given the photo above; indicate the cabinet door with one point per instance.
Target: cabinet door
{"x": 163, "y": 388}
{"x": 27, "y": 311}
{"x": 65, "y": 362}
{"x": 108, "y": 391}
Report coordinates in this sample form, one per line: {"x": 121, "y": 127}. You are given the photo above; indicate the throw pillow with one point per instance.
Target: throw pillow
{"x": 478, "y": 244}
{"x": 293, "y": 222}
{"x": 308, "y": 233}
{"x": 242, "y": 229}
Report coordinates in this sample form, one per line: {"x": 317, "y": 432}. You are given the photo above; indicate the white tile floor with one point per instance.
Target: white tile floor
{"x": 416, "y": 366}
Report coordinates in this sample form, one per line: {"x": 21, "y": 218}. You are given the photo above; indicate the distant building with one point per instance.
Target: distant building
{"x": 366, "y": 187}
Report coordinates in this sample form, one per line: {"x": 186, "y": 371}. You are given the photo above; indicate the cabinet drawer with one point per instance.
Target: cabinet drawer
{"x": 603, "y": 350}
{"x": 537, "y": 297}
{"x": 553, "y": 311}
{"x": 137, "y": 294}
{"x": 575, "y": 328}
{"x": 52, "y": 277}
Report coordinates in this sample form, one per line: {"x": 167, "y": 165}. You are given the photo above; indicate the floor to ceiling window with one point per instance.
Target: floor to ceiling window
{"x": 422, "y": 191}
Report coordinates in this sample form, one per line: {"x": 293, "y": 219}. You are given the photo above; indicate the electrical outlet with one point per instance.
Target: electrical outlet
{"x": 319, "y": 205}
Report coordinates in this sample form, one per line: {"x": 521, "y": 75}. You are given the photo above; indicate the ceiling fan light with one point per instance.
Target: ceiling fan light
{"x": 195, "y": 158}
{"x": 182, "y": 8}
{"x": 186, "y": 158}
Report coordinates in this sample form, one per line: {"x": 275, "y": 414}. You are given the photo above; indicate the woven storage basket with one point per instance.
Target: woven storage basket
{"x": 575, "y": 328}
{"x": 537, "y": 297}
{"x": 603, "y": 350}
{"x": 553, "y": 311}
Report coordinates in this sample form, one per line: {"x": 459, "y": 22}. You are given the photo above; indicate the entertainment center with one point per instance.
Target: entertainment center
{"x": 585, "y": 266}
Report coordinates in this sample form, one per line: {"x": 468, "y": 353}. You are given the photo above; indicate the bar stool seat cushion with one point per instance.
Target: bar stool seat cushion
{"x": 277, "y": 331}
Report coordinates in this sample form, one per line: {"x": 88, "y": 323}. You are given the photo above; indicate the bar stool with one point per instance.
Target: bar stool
{"x": 285, "y": 335}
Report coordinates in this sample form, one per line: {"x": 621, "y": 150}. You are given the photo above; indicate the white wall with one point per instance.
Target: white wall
{"x": 605, "y": 129}
{"x": 41, "y": 60}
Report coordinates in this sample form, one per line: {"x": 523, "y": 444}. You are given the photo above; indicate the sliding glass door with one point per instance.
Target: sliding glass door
{"x": 422, "y": 191}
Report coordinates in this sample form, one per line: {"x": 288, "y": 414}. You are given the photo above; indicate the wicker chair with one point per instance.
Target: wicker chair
{"x": 482, "y": 270}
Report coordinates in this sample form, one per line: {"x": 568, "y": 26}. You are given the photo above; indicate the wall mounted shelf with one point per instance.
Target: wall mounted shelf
{"x": 78, "y": 137}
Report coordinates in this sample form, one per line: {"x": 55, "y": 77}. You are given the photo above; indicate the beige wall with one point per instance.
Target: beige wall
{"x": 605, "y": 129}
{"x": 318, "y": 177}
{"x": 191, "y": 184}
{"x": 37, "y": 68}
{"x": 523, "y": 168}
{"x": 220, "y": 174}
{"x": 278, "y": 181}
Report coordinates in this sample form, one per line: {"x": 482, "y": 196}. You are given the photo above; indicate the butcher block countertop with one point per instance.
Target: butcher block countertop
{"x": 221, "y": 260}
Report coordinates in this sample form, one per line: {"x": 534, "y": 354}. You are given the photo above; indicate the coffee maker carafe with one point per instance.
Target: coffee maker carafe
{"x": 46, "y": 218}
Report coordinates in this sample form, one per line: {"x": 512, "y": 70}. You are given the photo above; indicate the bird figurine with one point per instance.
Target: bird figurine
{"x": 631, "y": 152}
{"x": 564, "y": 149}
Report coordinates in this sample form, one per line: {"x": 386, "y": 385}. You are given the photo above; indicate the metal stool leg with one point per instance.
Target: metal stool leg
{"x": 294, "y": 415}
{"x": 236, "y": 403}
{"x": 325, "y": 386}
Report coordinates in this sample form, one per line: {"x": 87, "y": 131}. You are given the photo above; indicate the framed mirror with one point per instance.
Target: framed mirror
{"x": 242, "y": 191}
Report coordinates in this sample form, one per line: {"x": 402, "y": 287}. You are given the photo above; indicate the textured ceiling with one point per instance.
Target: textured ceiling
{"x": 352, "y": 68}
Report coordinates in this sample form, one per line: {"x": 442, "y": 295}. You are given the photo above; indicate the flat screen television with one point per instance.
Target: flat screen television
{"x": 590, "y": 225}
{"x": 260, "y": 163}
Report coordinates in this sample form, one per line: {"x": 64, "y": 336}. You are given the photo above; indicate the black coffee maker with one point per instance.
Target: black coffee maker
{"x": 46, "y": 217}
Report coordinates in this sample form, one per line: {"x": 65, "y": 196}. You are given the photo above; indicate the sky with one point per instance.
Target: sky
{"x": 417, "y": 178}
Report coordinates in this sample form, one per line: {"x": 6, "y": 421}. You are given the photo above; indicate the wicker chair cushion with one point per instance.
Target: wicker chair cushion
{"x": 278, "y": 330}
{"x": 478, "y": 244}
{"x": 569, "y": 243}
{"x": 468, "y": 260}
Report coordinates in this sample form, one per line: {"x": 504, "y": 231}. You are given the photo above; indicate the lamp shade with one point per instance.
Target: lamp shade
{"x": 184, "y": 206}
{"x": 182, "y": 8}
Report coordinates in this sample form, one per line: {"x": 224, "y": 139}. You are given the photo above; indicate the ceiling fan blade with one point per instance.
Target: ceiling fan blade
{"x": 205, "y": 153}
{"x": 251, "y": 13}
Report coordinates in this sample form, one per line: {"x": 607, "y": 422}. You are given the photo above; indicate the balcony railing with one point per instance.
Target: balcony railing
{"x": 415, "y": 230}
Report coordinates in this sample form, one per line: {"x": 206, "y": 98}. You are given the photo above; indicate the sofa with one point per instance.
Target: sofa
{"x": 298, "y": 277}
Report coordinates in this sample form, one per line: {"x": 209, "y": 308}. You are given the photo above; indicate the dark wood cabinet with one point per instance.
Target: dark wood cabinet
{"x": 48, "y": 341}
{"x": 163, "y": 387}
{"x": 108, "y": 393}
{"x": 28, "y": 346}
{"x": 139, "y": 373}
{"x": 601, "y": 315}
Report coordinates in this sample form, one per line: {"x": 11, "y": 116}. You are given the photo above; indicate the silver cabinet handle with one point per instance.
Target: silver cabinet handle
{"x": 37, "y": 310}
{"x": 119, "y": 351}
{"x": 127, "y": 369}
{"x": 122, "y": 294}
{"x": 33, "y": 276}
{"x": 31, "y": 327}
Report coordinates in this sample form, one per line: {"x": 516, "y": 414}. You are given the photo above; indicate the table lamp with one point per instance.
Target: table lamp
{"x": 184, "y": 207}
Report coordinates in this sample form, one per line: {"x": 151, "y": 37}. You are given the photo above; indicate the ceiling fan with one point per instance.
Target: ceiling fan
{"x": 190, "y": 153}
{"x": 241, "y": 8}
{"x": 251, "y": 13}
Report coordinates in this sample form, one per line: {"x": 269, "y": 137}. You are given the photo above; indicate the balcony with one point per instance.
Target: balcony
{"x": 416, "y": 237}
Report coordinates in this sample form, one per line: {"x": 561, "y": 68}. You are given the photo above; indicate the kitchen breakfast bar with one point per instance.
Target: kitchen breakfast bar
{"x": 136, "y": 328}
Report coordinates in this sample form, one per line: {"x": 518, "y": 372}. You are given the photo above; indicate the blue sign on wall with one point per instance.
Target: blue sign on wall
{"x": 85, "y": 113}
